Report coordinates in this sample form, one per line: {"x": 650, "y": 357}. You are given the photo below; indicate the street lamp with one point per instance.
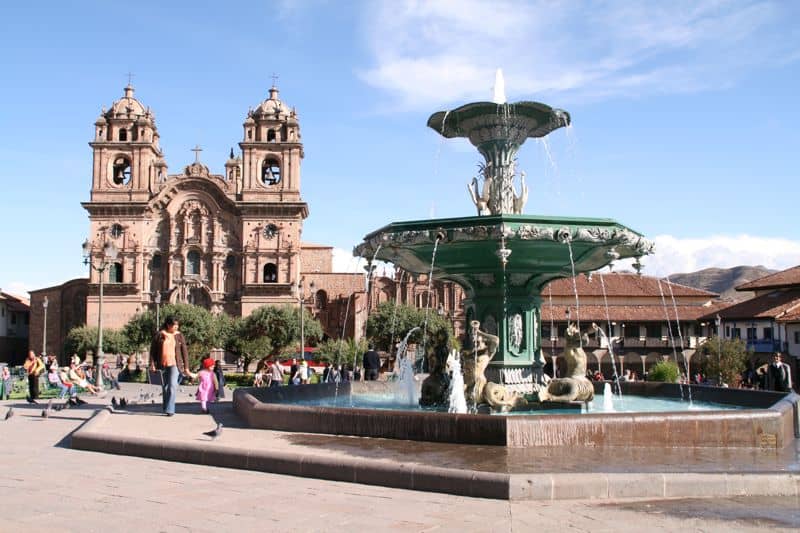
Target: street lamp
{"x": 719, "y": 350}
{"x": 301, "y": 297}
{"x": 107, "y": 257}
{"x": 45, "y": 303}
{"x": 157, "y": 300}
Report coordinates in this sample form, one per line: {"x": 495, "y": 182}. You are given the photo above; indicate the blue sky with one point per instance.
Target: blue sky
{"x": 684, "y": 113}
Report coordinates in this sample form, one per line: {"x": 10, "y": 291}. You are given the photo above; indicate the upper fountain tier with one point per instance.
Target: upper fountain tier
{"x": 497, "y": 130}
{"x": 489, "y": 122}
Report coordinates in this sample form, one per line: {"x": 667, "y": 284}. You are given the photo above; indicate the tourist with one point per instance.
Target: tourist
{"x": 33, "y": 368}
{"x": 220, "y": 375}
{"x": 275, "y": 374}
{"x": 335, "y": 374}
{"x": 55, "y": 380}
{"x": 301, "y": 376}
{"x": 626, "y": 376}
{"x": 108, "y": 377}
{"x": 77, "y": 377}
{"x": 372, "y": 364}
{"x": 169, "y": 354}
{"x": 292, "y": 372}
{"x": 779, "y": 375}
{"x": 357, "y": 373}
{"x": 5, "y": 383}
{"x": 326, "y": 372}
{"x": 207, "y": 384}
{"x": 258, "y": 378}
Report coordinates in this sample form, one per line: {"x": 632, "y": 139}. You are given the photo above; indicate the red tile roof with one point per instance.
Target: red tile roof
{"x": 770, "y": 305}
{"x": 621, "y": 284}
{"x": 628, "y": 313}
{"x": 15, "y": 303}
{"x": 792, "y": 314}
{"x": 785, "y": 278}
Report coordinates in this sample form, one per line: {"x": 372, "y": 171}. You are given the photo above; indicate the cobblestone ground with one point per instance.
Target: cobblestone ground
{"x": 46, "y": 486}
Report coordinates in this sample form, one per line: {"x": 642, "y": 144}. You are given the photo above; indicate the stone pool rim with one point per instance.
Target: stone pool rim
{"x": 768, "y": 420}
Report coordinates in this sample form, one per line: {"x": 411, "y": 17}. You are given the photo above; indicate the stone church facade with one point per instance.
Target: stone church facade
{"x": 227, "y": 242}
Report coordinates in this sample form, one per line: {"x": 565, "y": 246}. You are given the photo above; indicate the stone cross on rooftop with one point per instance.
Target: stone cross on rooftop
{"x": 274, "y": 79}
{"x": 197, "y": 151}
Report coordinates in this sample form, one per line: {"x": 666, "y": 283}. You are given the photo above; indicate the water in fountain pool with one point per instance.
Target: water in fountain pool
{"x": 628, "y": 404}
{"x": 457, "y": 402}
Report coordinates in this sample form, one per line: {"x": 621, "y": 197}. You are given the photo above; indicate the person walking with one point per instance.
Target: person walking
{"x": 372, "y": 364}
{"x": 220, "y": 375}
{"x": 276, "y": 374}
{"x": 5, "y": 383}
{"x": 208, "y": 385}
{"x": 33, "y": 368}
{"x": 779, "y": 374}
{"x": 169, "y": 354}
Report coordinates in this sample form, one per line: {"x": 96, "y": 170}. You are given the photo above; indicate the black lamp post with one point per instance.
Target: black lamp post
{"x": 44, "y": 329}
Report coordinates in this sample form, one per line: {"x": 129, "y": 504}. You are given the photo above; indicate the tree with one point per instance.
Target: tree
{"x": 282, "y": 326}
{"x": 83, "y": 339}
{"x": 666, "y": 371}
{"x": 725, "y": 358}
{"x": 198, "y": 325}
{"x": 390, "y": 322}
{"x": 238, "y": 341}
{"x": 346, "y": 352}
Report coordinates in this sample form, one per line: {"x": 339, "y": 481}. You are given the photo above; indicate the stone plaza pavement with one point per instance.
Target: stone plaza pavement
{"x": 46, "y": 486}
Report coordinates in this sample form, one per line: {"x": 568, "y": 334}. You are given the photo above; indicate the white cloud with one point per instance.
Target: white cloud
{"x": 674, "y": 255}
{"x": 433, "y": 53}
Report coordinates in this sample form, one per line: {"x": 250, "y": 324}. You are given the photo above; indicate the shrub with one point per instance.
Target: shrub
{"x": 666, "y": 371}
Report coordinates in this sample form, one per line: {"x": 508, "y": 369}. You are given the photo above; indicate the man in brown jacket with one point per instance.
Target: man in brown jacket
{"x": 169, "y": 354}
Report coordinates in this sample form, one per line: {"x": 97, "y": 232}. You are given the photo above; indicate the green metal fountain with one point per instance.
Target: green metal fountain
{"x": 501, "y": 257}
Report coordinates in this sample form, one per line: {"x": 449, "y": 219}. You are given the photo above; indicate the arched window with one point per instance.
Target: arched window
{"x": 123, "y": 134}
{"x": 121, "y": 171}
{"x": 193, "y": 263}
{"x": 270, "y": 273}
{"x": 321, "y": 300}
{"x": 270, "y": 135}
{"x": 115, "y": 273}
{"x": 155, "y": 264}
{"x": 230, "y": 261}
{"x": 270, "y": 172}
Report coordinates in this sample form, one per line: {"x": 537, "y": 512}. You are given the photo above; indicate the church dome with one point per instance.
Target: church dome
{"x": 101, "y": 121}
{"x": 272, "y": 106}
{"x": 127, "y": 105}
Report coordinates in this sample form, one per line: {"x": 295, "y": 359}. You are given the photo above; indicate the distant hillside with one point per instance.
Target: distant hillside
{"x": 723, "y": 280}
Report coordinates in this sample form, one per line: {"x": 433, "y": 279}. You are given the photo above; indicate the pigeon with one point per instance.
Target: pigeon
{"x": 123, "y": 403}
{"x": 45, "y": 413}
{"x": 9, "y": 413}
{"x": 214, "y": 433}
{"x": 114, "y": 402}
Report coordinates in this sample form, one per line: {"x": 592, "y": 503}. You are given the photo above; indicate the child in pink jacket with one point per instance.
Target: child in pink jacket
{"x": 207, "y": 389}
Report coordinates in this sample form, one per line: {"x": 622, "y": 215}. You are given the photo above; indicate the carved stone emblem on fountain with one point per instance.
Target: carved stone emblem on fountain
{"x": 575, "y": 387}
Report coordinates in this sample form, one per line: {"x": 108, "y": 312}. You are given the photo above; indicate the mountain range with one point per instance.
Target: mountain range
{"x": 723, "y": 280}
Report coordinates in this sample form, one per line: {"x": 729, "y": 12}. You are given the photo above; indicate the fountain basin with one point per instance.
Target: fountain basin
{"x": 764, "y": 420}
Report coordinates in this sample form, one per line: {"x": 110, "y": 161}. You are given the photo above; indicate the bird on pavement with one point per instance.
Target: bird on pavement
{"x": 46, "y": 410}
{"x": 114, "y": 403}
{"x": 123, "y": 403}
{"x": 9, "y": 413}
{"x": 214, "y": 433}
